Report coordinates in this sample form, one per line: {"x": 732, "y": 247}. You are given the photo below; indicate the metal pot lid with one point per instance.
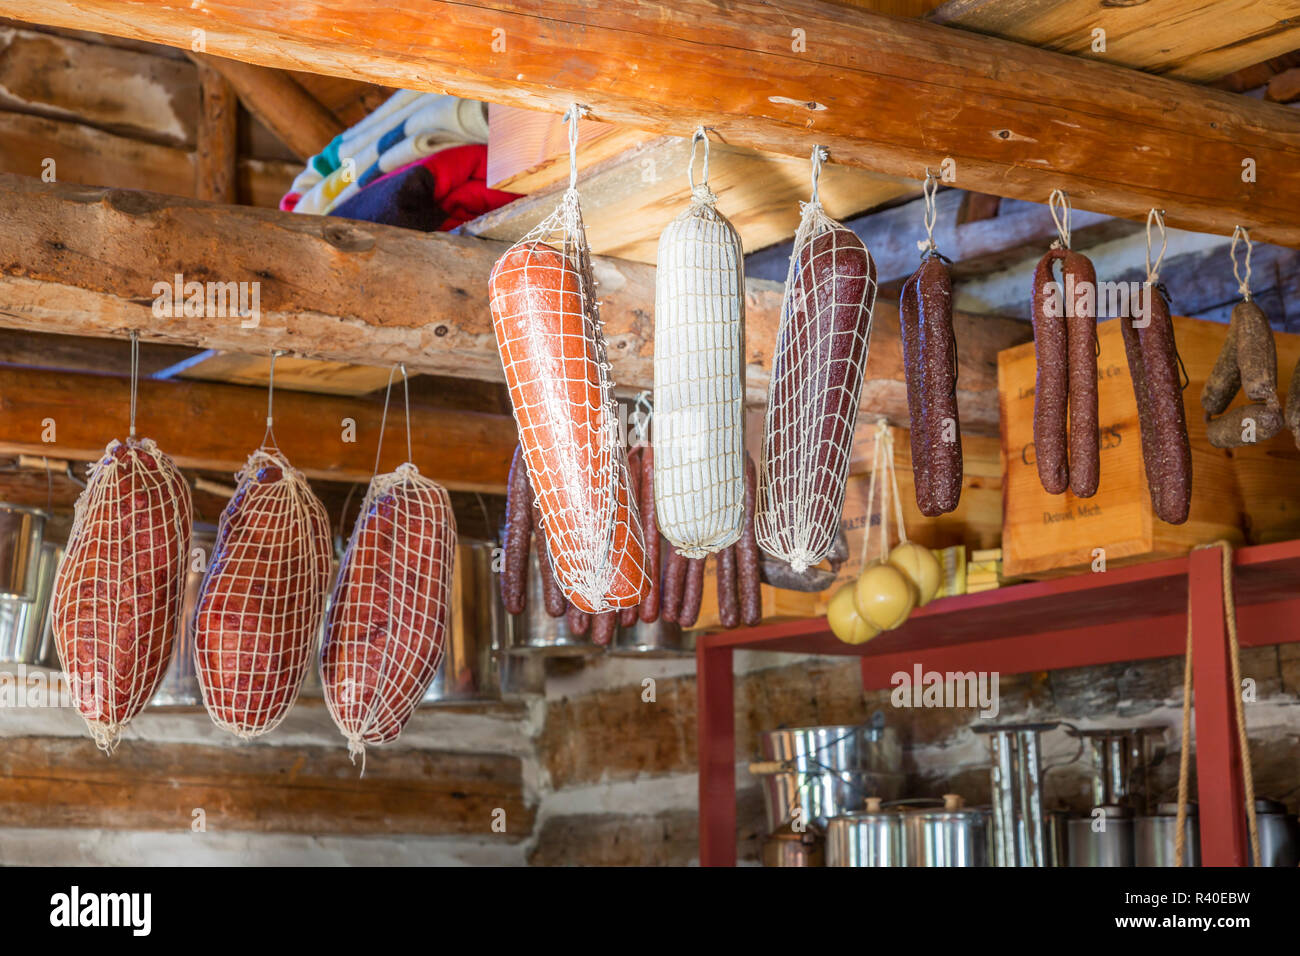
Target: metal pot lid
{"x": 1170, "y": 809}
{"x": 1112, "y": 811}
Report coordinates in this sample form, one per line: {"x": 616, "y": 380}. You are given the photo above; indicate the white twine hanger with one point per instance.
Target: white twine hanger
{"x": 639, "y": 420}
{"x": 135, "y": 376}
{"x": 1241, "y": 233}
{"x": 571, "y": 116}
{"x": 928, "y": 192}
{"x": 1156, "y": 216}
{"x": 1062, "y": 198}
{"x": 383, "y": 420}
{"x": 819, "y": 155}
{"x": 268, "y": 440}
{"x": 700, "y": 191}
{"x": 882, "y": 458}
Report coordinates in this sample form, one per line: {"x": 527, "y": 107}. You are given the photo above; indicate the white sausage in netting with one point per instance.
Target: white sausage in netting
{"x": 387, "y": 620}
{"x": 816, "y": 385}
{"x": 118, "y": 591}
{"x": 262, "y": 598}
{"x": 699, "y": 388}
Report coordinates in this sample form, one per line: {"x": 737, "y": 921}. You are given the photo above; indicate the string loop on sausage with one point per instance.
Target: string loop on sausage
{"x": 1243, "y": 282}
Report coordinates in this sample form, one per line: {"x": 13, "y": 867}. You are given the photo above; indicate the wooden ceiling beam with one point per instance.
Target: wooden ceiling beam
{"x": 276, "y": 99}
{"x": 892, "y": 95}
{"x": 86, "y": 262}
{"x": 211, "y": 427}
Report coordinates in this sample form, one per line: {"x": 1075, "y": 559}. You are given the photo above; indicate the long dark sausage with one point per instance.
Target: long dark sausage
{"x": 1081, "y": 327}
{"x": 692, "y": 593}
{"x": 519, "y": 535}
{"x": 650, "y": 524}
{"x": 1052, "y": 383}
{"x": 728, "y": 598}
{"x": 748, "y": 558}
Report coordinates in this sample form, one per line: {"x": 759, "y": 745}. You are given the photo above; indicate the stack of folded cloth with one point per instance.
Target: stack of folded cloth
{"x": 419, "y": 161}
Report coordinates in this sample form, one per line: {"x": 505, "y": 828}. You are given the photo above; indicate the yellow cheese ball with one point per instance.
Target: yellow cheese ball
{"x": 884, "y": 596}
{"x": 844, "y": 620}
{"x": 921, "y": 567}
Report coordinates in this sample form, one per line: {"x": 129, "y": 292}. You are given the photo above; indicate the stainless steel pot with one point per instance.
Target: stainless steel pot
{"x": 22, "y": 532}
{"x": 1111, "y": 846}
{"x": 865, "y": 747}
{"x": 949, "y": 836}
{"x": 659, "y": 639}
{"x": 475, "y": 630}
{"x": 536, "y": 632}
{"x": 1154, "y": 837}
{"x": 180, "y": 685}
{"x": 872, "y": 837}
{"x": 815, "y": 798}
{"x": 26, "y": 628}
{"x": 1277, "y": 835}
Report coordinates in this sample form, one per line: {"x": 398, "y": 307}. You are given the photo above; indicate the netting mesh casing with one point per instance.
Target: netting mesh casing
{"x": 547, "y": 325}
{"x": 388, "y": 616}
{"x": 262, "y": 598}
{"x": 699, "y": 387}
{"x": 816, "y": 385}
{"x": 118, "y": 591}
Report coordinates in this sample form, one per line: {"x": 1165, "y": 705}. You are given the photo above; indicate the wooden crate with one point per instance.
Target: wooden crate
{"x": 1246, "y": 494}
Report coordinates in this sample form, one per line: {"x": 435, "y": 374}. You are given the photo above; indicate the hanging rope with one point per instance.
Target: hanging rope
{"x": 135, "y": 375}
{"x": 819, "y": 155}
{"x": 268, "y": 440}
{"x": 383, "y": 420}
{"x": 929, "y": 190}
{"x": 1243, "y": 282}
{"x": 882, "y": 467}
{"x": 571, "y": 116}
{"x": 1156, "y": 216}
{"x": 700, "y": 191}
{"x": 1243, "y": 744}
{"x": 1062, "y": 220}
{"x": 639, "y": 420}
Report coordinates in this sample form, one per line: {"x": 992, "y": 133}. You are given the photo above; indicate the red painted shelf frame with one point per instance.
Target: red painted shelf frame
{"x": 1126, "y": 614}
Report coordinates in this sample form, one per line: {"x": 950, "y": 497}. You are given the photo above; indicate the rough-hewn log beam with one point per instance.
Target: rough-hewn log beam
{"x": 889, "y": 94}
{"x": 211, "y": 427}
{"x": 87, "y": 261}
{"x": 284, "y": 107}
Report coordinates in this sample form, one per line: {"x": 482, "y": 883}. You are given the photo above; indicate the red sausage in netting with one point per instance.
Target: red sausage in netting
{"x": 118, "y": 591}
{"x": 262, "y": 599}
{"x": 388, "y": 619}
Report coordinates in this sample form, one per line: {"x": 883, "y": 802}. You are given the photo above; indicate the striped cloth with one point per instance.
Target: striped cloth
{"x": 406, "y": 128}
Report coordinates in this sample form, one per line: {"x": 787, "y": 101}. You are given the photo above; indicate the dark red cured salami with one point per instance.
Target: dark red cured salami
{"x": 260, "y": 605}
{"x": 388, "y": 619}
{"x": 815, "y": 390}
{"x": 118, "y": 591}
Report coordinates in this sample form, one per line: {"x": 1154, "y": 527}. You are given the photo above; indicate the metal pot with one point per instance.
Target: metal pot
{"x": 1154, "y": 837}
{"x": 815, "y": 798}
{"x": 1112, "y": 846}
{"x": 22, "y": 532}
{"x": 536, "y": 632}
{"x": 794, "y": 849}
{"x": 26, "y": 627}
{"x": 1277, "y": 835}
{"x": 475, "y": 630}
{"x": 180, "y": 685}
{"x": 948, "y": 836}
{"x": 658, "y": 639}
{"x": 873, "y": 837}
{"x": 864, "y": 747}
